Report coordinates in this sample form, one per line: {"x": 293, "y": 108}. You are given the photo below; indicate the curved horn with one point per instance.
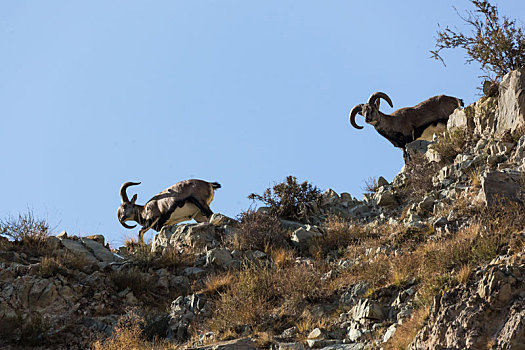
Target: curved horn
{"x": 353, "y": 112}
{"x": 126, "y": 225}
{"x": 377, "y": 95}
{"x": 124, "y": 195}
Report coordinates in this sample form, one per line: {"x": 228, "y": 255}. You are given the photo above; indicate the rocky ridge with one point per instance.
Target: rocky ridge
{"x": 77, "y": 290}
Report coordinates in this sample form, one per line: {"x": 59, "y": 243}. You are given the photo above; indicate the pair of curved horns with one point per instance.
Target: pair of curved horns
{"x": 123, "y": 195}
{"x": 371, "y": 101}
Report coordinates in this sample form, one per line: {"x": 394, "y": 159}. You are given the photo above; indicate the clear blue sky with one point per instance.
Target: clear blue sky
{"x": 96, "y": 93}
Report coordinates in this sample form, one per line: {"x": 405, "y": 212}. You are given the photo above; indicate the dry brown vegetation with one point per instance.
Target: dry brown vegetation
{"x": 406, "y": 332}
{"x": 451, "y": 143}
{"x": 27, "y": 233}
{"x": 419, "y": 182}
{"x": 129, "y": 334}
{"x": 258, "y": 231}
{"x": 262, "y": 299}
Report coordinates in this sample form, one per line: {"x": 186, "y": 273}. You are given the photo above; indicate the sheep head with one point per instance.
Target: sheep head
{"x": 127, "y": 211}
{"x": 369, "y": 110}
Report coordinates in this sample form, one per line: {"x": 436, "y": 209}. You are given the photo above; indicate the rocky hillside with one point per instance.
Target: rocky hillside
{"x": 434, "y": 259}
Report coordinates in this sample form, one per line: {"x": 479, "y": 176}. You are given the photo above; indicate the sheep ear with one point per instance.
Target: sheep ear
{"x": 378, "y": 101}
{"x": 134, "y": 198}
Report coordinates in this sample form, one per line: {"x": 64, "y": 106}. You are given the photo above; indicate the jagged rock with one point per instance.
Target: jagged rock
{"x": 99, "y": 251}
{"x": 200, "y": 236}
{"x": 418, "y": 146}
{"x": 237, "y": 344}
{"x": 490, "y": 88}
{"x": 511, "y": 102}
{"x": 329, "y": 197}
{"x": 485, "y": 113}
{"x": 490, "y": 309}
{"x": 302, "y": 236}
{"x": 220, "y": 219}
{"x": 381, "y": 181}
{"x": 290, "y": 346}
{"x": 53, "y": 242}
{"x": 182, "y": 312}
{"x": 77, "y": 248}
{"x": 389, "y": 333}
{"x": 367, "y": 309}
{"x": 354, "y": 346}
{"x": 385, "y": 197}
{"x": 219, "y": 256}
{"x": 315, "y": 334}
{"x": 497, "y": 186}
{"x": 440, "y": 222}
{"x": 426, "y": 205}
{"x": 98, "y": 238}
{"x": 460, "y": 119}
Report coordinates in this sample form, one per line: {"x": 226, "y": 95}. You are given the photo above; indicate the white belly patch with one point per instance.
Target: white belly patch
{"x": 184, "y": 213}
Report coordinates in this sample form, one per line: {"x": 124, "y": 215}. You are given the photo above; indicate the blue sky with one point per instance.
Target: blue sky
{"x": 97, "y": 93}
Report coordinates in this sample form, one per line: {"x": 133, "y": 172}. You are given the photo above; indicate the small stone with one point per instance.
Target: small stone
{"x": 381, "y": 181}
{"x": 389, "y": 333}
{"x": 315, "y": 334}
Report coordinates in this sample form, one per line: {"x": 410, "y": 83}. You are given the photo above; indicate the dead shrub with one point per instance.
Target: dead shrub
{"x": 371, "y": 185}
{"x": 419, "y": 173}
{"x": 31, "y": 233}
{"x": 258, "y": 232}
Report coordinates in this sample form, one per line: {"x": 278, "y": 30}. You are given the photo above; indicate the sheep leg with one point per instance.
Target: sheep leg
{"x": 203, "y": 207}
{"x": 146, "y": 228}
{"x": 199, "y": 217}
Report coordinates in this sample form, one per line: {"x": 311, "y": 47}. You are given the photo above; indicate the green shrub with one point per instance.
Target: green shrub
{"x": 288, "y": 199}
{"x": 497, "y": 44}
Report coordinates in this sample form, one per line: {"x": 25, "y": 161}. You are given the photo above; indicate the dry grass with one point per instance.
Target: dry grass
{"x": 406, "y": 332}
{"x": 29, "y": 232}
{"x": 217, "y": 284}
{"x": 258, "y": 232}
{"x": 50, "y": 266}
{"x": 450, "y": 144}
{"x": 128, "y": 334}
{"x": 475, "y": 178}
{"x": 434, "y": 264}
{"x": 266, "y": 299}
{"x": 282, "y": 257}
{"x": 464, "y": 273}
{"x": 339, "y": 234}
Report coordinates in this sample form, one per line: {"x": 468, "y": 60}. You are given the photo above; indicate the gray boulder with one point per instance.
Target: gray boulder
{"x": 500, "y": 186}
{"x": 511, "y": 102}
